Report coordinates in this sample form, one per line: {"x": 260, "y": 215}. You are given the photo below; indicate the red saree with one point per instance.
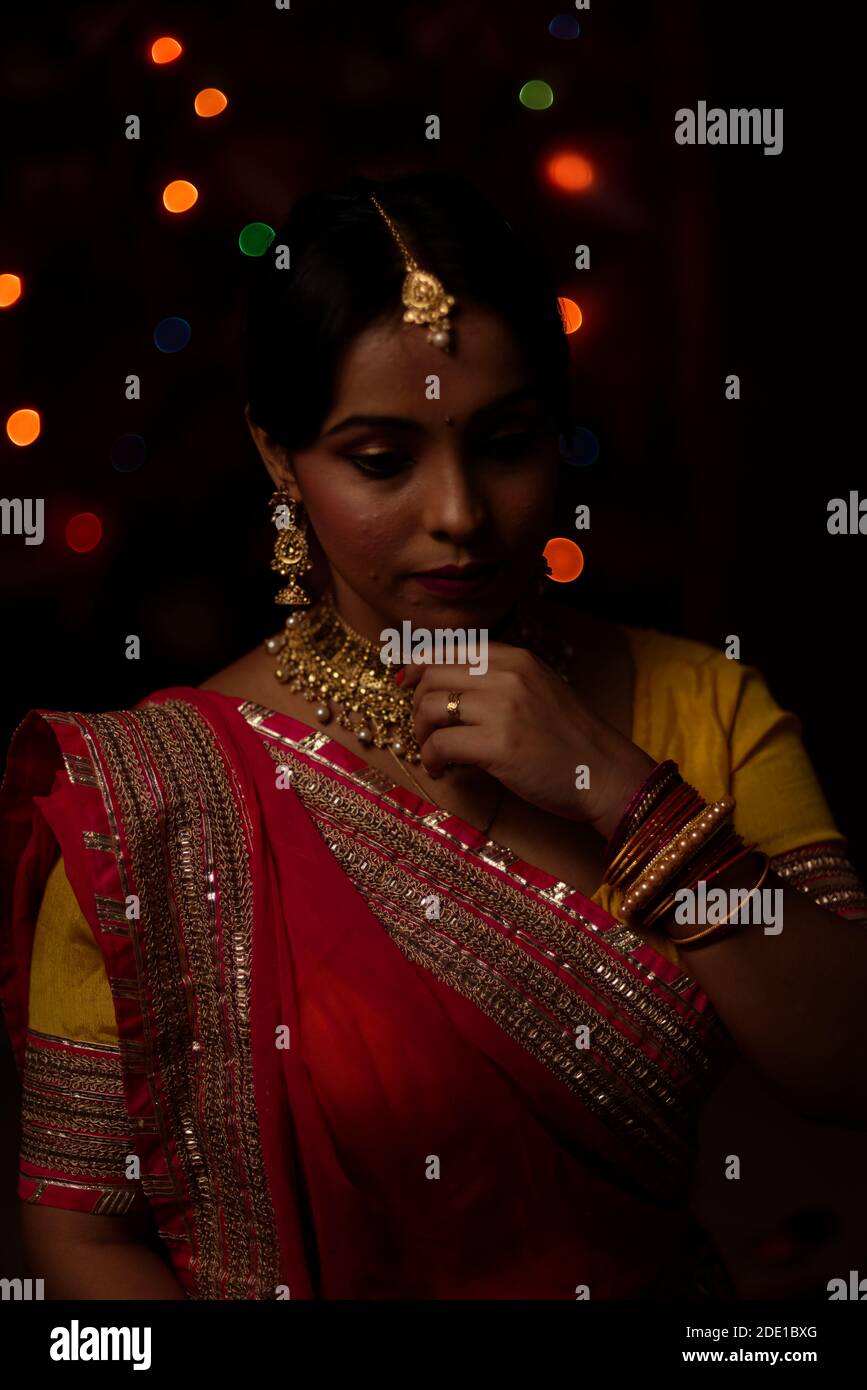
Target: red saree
{"x": 433, "y": 1129}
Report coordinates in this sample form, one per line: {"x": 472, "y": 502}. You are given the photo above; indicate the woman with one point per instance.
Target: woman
{"x": 357, "y": 983}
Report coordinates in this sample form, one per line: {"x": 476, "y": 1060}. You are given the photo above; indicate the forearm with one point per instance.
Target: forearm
{"x": 77, "y": 1266}
{"x": 111, "y": 1271}
{"x": 793, "y": 1001}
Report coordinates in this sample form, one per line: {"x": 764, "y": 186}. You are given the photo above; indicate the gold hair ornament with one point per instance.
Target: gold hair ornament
{"x": 424, "y": 298}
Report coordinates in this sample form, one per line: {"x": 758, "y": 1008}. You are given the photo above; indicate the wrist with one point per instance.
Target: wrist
{"x": 630, "y": 775}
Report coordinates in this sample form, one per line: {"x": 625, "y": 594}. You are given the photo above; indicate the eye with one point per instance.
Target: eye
{"x": 510, "y": 446}
{"x": 378, "y": 465}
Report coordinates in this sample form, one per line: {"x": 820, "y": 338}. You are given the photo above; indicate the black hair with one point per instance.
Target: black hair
{"x": 346, "y": 272}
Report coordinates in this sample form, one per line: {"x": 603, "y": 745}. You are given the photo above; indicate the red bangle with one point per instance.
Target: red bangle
{"x": 655, "y": 776}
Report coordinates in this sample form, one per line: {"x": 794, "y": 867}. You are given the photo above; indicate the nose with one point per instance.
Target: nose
{"x": 454, "y": 505}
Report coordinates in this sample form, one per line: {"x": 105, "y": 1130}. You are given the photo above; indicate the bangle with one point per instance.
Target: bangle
{"x": 716, "y": 861}
{"x": 662, "y": 779}
{"x": 726, "y": 923}
{"x": 661, "y": 826}
{"x": 673, "y": 856}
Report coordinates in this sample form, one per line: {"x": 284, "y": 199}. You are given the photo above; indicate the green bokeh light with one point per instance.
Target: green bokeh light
{"x": 536, "y": 96}
{"x": 256, "y": 238}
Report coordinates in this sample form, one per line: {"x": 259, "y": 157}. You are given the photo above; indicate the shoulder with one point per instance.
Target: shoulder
{"x": 249, "y": 678}
{"x": 679, "y": 670}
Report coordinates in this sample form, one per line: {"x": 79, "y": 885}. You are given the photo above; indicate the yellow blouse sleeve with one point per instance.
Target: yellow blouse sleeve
{"x": 69, "y": 990}
{"x": 719, "y": 722}
{"x": 781, "y": 804}
{"x": 78, "y": 1146}
{"x": 717, "y": 719}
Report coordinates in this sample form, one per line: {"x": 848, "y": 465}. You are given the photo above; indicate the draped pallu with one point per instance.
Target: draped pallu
{"x": 358, "y": 1050}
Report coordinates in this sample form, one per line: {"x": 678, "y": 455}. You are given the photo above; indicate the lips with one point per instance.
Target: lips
{"x": 455, "y": 581}
{"x": 455, "y": 571}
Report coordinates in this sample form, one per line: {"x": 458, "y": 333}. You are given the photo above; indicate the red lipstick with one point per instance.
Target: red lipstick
{"x": 455, "y": 581}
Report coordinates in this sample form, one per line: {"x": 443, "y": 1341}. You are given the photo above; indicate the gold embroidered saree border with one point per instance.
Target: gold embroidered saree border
{"x": 74, "y": 1121}
{"x": 186, "y": 976}
{"x": 557, "y": 934}
{"x": 503, "y": 964}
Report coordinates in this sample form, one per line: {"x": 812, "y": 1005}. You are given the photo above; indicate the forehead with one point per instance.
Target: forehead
{"x": 389, "y": 363}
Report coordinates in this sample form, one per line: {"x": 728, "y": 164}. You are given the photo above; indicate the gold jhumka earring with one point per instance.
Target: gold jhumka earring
{"x": 291, "y": 554}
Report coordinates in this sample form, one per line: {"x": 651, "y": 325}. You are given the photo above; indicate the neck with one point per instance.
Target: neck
{"x": 366, "y": 622}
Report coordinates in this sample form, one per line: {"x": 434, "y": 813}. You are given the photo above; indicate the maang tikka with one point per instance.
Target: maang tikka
{"x": 424, "y": 298}
{"x": 291, "y": 553}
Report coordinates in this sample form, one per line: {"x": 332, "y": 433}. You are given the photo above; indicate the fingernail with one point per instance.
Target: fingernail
{"x": 399, "y": 677}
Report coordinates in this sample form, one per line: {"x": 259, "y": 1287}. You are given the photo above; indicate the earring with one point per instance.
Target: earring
{"x": 291, "y": 555}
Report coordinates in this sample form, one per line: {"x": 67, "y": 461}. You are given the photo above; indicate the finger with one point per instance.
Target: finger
{"x": 442, "y": 675}
{"x": 460, "y": 744}
{"x": 431, "y": 711}
{"x": 409, "y": 676}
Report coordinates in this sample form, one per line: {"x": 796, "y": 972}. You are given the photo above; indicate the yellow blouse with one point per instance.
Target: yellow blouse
{"x": 714, "y": 717}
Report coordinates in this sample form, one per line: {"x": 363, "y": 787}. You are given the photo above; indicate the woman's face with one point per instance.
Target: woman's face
{"x": 398, "y": 484}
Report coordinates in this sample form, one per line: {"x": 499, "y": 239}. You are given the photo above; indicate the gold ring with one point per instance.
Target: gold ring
{"x": 453, "y": 707}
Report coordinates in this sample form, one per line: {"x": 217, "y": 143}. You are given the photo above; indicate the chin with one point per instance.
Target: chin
{"x": 475, "y": 612}
{"x": 485, "y": 608}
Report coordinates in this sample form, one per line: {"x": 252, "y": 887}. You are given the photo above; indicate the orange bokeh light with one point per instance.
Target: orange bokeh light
{"x": 571, "y": 314}
{"x": 10, "y": 290}
{"x": 570, "y": 172}
{"x": 565, "y": 559}
{"x": 23, "y": 426}
{"x": 166, "y": 50}
{"x": 210, "y": 102}
{"x": 179, "y": 195}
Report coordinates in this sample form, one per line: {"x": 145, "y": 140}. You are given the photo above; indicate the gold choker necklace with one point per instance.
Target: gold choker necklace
{"x": 330, "y": 663}
{"x": 321, "y": 656}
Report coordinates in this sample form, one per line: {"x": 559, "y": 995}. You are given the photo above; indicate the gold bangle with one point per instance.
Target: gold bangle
{"x": 635, "y": 848}
{"x": 717, "y": 926}
{"x": 691, "y": 879}
{"x": 676, "y": 855}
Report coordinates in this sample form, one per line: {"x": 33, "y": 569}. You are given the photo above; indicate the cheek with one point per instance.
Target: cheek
{"x": 354, "y": 522}
{"x": 524, "y": 502}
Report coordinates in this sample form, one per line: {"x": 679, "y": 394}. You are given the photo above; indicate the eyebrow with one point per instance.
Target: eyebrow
{"x": 521, "y": 393}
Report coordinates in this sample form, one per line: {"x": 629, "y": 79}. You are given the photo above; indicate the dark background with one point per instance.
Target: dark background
{"x": 708, "y": 516}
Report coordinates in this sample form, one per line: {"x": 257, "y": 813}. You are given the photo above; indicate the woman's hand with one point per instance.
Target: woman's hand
{"x": 520, "y": 723}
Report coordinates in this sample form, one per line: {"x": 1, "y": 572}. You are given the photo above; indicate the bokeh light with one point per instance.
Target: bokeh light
{"x": 83, "y": 532}
{"x": 166, "y": 50}
{"x": 256, "y": 238}
{"x": 564, "y": 26}
{"x": 210, "y": 101}
{"x": 10, "y": 290}
{"x": 569, "y": 171}
{"x": 565, "y": 559}
{"x": 580, "y": 448}
{"x": 173, "y": 334}
{"x": 571, "y": 314}
{"x": 179, "y": 195}
{"x": 128, "y": 452}
{"x": 23, "y": 426}
{"x": 536, "y": 96}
